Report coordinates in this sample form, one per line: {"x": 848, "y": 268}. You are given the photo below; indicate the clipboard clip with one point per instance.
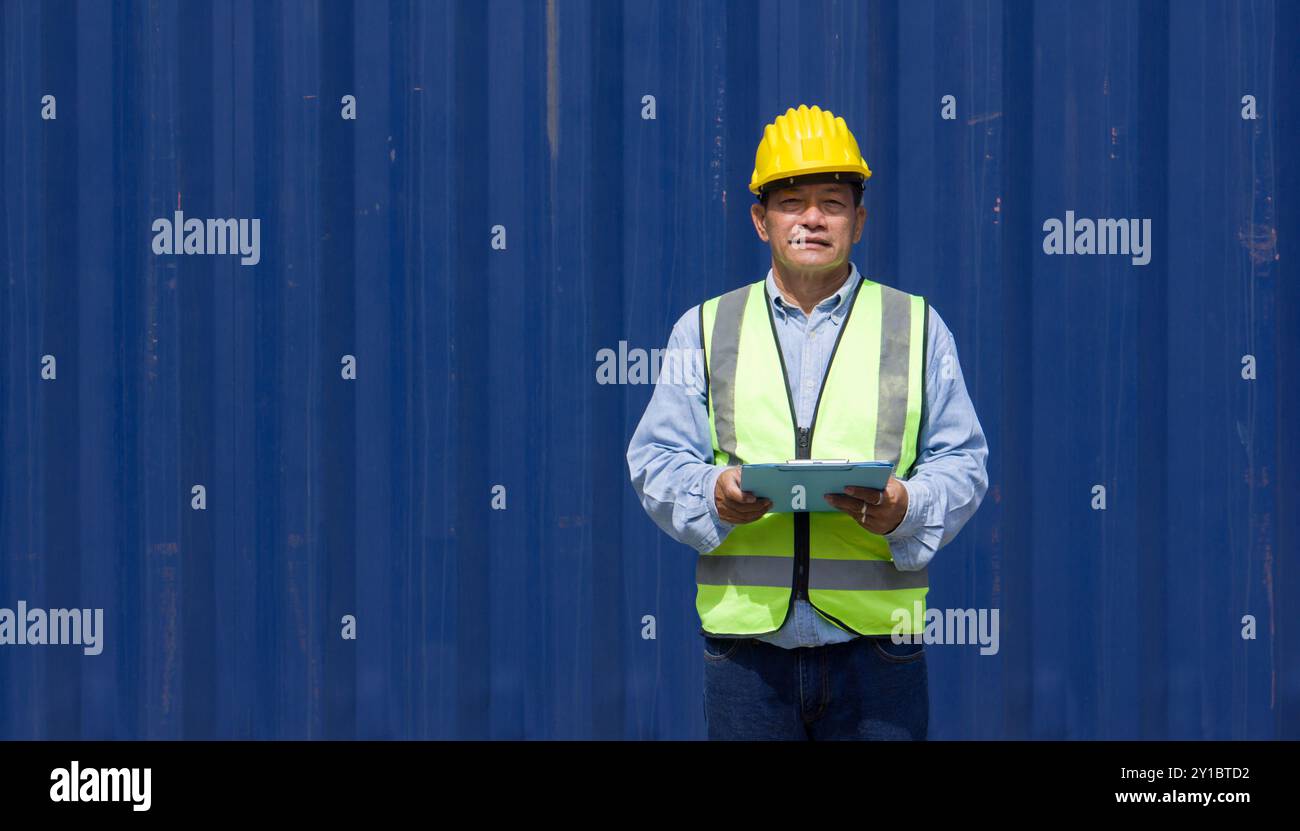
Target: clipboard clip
{"x": 817, "y": 461}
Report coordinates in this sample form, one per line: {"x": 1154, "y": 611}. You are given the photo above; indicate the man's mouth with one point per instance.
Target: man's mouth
{"x": 810, "y": 242}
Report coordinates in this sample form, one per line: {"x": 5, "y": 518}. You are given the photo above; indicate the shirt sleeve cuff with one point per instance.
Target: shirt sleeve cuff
{"x": 720, "y": 526}
{"x": 917, "y": 497}
{"x": 917, "y": 538}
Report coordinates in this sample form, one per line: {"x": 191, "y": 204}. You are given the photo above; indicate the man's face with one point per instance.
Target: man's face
{"x": 810, "y": 227}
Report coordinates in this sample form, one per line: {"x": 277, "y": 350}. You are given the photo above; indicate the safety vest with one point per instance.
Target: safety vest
{"x": 869, "y": 408}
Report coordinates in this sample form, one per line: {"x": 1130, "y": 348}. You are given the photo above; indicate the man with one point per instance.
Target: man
{"x": 815, "y": 361}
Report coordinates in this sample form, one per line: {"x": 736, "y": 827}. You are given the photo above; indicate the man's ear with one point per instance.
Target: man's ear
{"x": 859, "y": 223}
{"x": 757, "y": 212}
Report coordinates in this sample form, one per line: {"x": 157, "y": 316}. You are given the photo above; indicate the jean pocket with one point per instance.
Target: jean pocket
{"x": 720, "y": 649}
{"x": 898, "y": 653}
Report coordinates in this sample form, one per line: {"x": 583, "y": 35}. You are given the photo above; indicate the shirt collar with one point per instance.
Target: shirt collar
{"x": 836, "y": 304}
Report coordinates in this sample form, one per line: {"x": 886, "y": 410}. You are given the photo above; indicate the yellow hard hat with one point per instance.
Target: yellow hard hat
{"x": 806, "y": 141}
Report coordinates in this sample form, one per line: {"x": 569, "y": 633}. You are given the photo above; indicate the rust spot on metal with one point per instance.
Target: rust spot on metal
{"x": 1260, "y": 241}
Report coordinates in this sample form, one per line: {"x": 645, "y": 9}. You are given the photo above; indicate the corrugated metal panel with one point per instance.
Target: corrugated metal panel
{"x": 476, "y": 365}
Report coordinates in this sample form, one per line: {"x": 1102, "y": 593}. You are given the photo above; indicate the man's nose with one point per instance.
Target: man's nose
{"x": 812, "y": 217}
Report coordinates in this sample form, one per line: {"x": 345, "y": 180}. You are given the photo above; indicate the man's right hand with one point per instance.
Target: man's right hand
{"x": 734, "y": 505}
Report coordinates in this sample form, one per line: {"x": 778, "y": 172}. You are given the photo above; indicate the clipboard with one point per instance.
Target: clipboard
{"x": 780, "y": 481}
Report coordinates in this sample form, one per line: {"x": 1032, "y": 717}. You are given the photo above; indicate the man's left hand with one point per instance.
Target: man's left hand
{"x": 879, "y": 511}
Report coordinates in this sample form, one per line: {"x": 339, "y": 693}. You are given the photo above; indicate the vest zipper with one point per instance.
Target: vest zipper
{"x": 802, "y": 530}
{"x": 803, "y": 521}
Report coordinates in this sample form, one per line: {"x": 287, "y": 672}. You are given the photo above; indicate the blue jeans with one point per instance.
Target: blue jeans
{"x": 866, "y": 688}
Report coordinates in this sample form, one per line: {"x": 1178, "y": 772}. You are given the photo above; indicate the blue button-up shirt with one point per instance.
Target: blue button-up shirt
{"x": 670, "y": 457}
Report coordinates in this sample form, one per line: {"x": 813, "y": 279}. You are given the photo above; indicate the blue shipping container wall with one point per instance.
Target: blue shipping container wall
{"x": 498, "y": 212}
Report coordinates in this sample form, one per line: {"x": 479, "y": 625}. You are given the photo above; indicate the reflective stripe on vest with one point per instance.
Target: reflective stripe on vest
{"x": 869, "y": 408}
